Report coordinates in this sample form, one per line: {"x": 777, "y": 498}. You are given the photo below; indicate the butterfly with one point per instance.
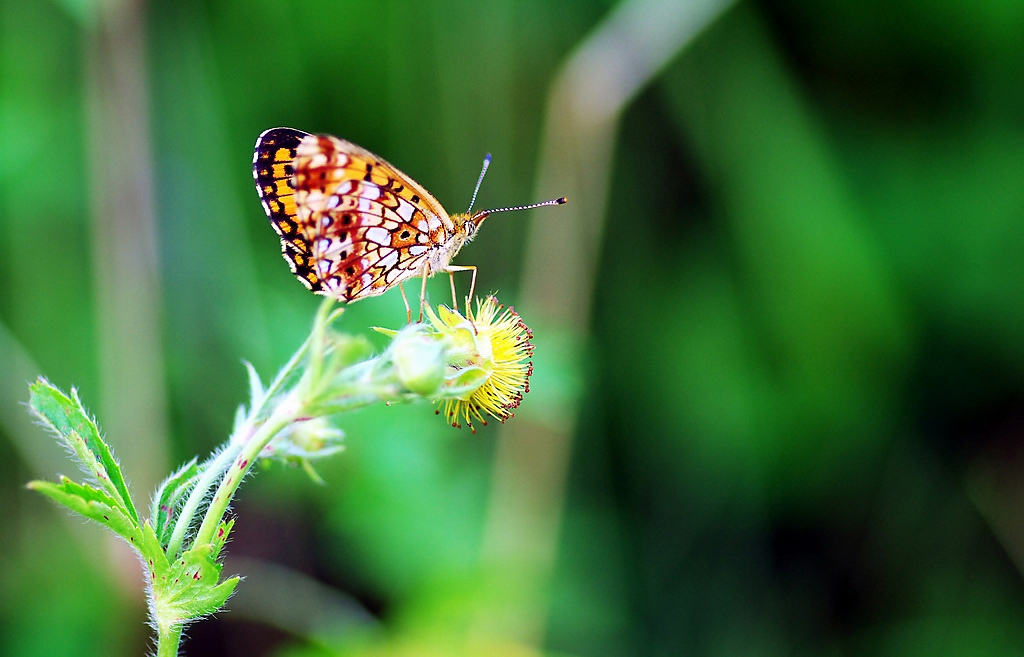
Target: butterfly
{"x": 352, "y": 225}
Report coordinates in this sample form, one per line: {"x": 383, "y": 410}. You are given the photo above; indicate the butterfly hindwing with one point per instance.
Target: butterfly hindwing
{"x": 273, "y": 170}
{"x": 368, "y": 226}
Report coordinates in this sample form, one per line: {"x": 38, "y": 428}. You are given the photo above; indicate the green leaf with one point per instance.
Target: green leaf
{"x": 188, "y": 588}
{"x": 463, "y": 383}
{"x": 169, "y": 496}
{"x": 241, "y": 415}
{"x": 92, "y": 503}
{"x": 344, "y": 350}
{"x": 67, "y": 419}
{"x": 153, "y": 552}
{"x": 221, "y": 537}
{"x": 256, "y": 390}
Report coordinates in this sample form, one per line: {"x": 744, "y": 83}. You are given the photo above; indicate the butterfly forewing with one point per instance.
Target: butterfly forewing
{"x": 367, "y": 225}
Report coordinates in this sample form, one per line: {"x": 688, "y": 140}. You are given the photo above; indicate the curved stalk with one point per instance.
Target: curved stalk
{"x": 288, "y": 411}
{"x": 210, "y": 476}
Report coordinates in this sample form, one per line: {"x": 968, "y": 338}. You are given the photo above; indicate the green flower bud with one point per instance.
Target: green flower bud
{"x": 419, "y": 360}
{"x": 309, "y": 439}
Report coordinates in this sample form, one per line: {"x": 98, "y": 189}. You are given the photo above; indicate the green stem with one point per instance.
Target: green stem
{"x": 283, "y": 375}
{"x": 168, "y": 640}
{"x": 215, "y": 470}
{"x": 211, "y": 473}
{"x": 316, "y": 341}
{"x": 287, "y": 411}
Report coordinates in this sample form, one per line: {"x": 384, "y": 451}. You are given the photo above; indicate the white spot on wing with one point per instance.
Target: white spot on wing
{"x": 389, "y": 260}
{"x": 314, "y": 197}
{"x": 378, "y": 235}
{"x": 417, "y": 250}
{"x": 370, "y": 191}
{"x": 405, "y": 211}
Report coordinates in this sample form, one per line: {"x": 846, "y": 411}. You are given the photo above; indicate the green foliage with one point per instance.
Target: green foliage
{"x": 181, "y": 590}
{"x": 69, "y": 421}
{"x": 93, "y": 504}
{"x": 287, "y": 420}
{"x": 169, "y": 497}
{"x": 189, "y": 587}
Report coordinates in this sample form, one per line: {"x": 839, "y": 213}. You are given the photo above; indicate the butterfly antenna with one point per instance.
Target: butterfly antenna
{"x": 479, "y": 181}
{"x": 483, "y": 214}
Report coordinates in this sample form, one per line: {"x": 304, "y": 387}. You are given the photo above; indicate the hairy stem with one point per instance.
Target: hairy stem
{"x": 287, "y": 411}
{"x": 211, "y": 474}
{"x": 168, "y": 640}
{"x": 215, "y": 470}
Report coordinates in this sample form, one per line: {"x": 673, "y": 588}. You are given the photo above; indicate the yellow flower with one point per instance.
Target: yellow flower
{"x": 489, "y": 364}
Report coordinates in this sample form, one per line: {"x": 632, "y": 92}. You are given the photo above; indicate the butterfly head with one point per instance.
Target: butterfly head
{"x": 466, "y": 226}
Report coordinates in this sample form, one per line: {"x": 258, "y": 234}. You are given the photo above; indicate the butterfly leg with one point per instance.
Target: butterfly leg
{"x": 455, "y": 298}
{"x": 472, "y": 287}
{"x": 408, "y": 310}
{"x": 472, "y": 284}
{"x": 423, "y": 289}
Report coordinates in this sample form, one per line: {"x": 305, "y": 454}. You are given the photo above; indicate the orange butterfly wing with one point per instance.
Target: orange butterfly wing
{"x": 273, "y": 170}
{"x": 351, "y": 225}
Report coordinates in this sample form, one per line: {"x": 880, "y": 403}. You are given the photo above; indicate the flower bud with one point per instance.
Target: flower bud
{"x": 309, "y": 439}
{"x": 419, "y": 360}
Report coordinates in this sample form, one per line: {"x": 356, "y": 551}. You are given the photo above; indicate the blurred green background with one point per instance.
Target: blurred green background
{"x": 779, "y": 395}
